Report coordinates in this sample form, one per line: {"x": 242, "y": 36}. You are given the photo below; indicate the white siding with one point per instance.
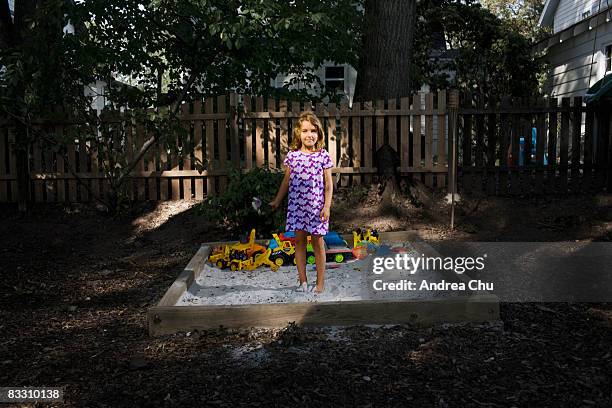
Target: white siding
{"x": 574, "y": 67}
{"x": 96, "y": 92}
{"x": 569, "y": 12}
{"x": 350, "y": 78}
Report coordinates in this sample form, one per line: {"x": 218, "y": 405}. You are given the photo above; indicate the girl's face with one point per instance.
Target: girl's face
{"x": 308, "y": 135}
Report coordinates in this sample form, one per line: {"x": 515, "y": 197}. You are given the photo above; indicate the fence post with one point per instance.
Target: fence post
{"x": 453, "y": 108}
{"x": 20, "y": 153}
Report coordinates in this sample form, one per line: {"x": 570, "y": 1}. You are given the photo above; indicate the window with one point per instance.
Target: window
{"x": 608, "y": 53}
{"x": 334, "y": 78}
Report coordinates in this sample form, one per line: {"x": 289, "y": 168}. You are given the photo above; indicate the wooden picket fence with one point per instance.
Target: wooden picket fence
{"x": 260, "y": 136}
{"x": 244, "y": 132}
{"x": 569, "y": 144}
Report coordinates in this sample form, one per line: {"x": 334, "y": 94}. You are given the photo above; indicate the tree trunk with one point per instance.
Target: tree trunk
{"x": 386, "y": 54}
{"x": 13, "y": 31}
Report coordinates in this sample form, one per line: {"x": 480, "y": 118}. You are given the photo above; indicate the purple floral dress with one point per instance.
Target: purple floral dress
{"x": 307, "y": 191}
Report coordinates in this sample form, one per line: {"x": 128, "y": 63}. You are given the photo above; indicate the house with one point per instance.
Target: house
{"x": 340, "y": 77}
{"x": 344, "y": 77}
{"x": 579, "y": 50}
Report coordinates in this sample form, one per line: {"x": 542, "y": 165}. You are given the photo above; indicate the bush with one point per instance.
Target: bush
{"x": 234, "y": 209}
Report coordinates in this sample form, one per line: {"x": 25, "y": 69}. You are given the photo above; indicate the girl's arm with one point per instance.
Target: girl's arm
{"x": 329, "y": 191}
{"x": 282, "y": 191}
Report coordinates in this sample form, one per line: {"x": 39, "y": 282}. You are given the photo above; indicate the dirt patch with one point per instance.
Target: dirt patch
{"x": 75, "y": 285}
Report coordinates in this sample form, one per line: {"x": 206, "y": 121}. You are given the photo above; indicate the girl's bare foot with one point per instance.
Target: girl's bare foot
{"x": 316, "y": 289}
{"x": 302, "y": 288}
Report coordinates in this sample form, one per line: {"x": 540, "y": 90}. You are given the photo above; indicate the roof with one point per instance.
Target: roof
{"x": 548, "y": 13}
{"x": 601, "y": 18}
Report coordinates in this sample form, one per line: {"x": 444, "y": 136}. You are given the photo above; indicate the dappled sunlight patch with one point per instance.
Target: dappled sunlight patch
{"x": 163, "y": 212}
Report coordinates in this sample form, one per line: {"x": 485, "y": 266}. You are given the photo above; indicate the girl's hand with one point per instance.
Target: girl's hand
{"x": 325, "y": 214}
{"x": 274, "y": 203}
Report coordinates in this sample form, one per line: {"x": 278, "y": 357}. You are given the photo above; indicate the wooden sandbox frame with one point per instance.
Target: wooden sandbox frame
{"x": 167, "y": 318}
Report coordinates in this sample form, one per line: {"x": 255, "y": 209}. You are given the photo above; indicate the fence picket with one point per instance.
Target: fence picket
{"x": 504, "y": 146}
{"x": 259, "y": 128}
{"x": 210, "y": 145}
{"x": 355, "y": 142}
{"x": 380, "y": 125}
{"x": 198, "y": 153}
{"x": 332, "y": 137}
{"x": 248, "y": 133}
{"x": 3, "y": 165}
{"x": 222, "y": 139}
{"x": 588, "y": 152}
{"x": 83, "y": 168}
{"x": 284, "y": 132}
{"x": 491, "y": 175}
{"x": 272, "y": 139}
{"x": 576, "y": 148}
{"x": 49, "y": 185}
{"x": 367, "y": 140}
{"x": 233, "y": 127}
{"x": 539, "y": 148}
{"x": 187, "y": 146}
{"x": 392, "y": 124}
{"x": 416, "y": 134}
{"x": 404, "y": 135}
{"x": 551, "y": 169}
{"x": 525, "y": 173}
{"x": 37, "y": 167}
{"x": 479, "y": 149}
{"x": 467, "y": 171}
{"x": 72, "y": 187}
{"x": 515, "y": 187}
{"x": 441, "y": 156}
{"x": 428, "y": 160}
{"x": 563, "y": 144}
{"x": 344, "y": 143}
{"x": 13, "y": 166}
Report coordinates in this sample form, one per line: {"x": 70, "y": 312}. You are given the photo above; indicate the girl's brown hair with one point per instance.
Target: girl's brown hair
{"x": 296, "y": 142}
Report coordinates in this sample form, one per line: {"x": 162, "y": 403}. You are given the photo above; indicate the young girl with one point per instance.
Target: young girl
{"x": 309, "y": 182}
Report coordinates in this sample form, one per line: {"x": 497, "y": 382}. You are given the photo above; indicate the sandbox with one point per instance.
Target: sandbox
{"x": 205, "y": 297}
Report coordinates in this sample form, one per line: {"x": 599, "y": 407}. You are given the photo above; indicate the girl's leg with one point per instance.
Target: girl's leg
{"x": 318, "y": 245}
{"x": 300, "y": 254}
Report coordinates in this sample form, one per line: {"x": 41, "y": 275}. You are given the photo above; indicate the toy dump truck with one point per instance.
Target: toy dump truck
{"x": 283, "y": 249}
{"x": 254, "y": 262}
{"x": 336, "y": 248}
{"x": 365, "y": 237}
{"x": 247, "y": 248}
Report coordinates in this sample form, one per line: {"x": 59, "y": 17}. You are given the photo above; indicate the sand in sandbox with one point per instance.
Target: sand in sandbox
{"x": 343, "y": 282}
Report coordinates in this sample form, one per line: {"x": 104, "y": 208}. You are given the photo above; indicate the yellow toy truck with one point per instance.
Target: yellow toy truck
{"x": 253, "y": 262}
{"x": 282, "y": 250}
{"x": 364, "y": 237}
{"x": 247, "y": 248}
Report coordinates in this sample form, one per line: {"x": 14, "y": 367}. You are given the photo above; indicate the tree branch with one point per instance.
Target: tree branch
{"x": 153, "y": 139}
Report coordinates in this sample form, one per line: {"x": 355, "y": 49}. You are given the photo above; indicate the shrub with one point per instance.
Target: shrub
{"x": 234, "y": 209}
